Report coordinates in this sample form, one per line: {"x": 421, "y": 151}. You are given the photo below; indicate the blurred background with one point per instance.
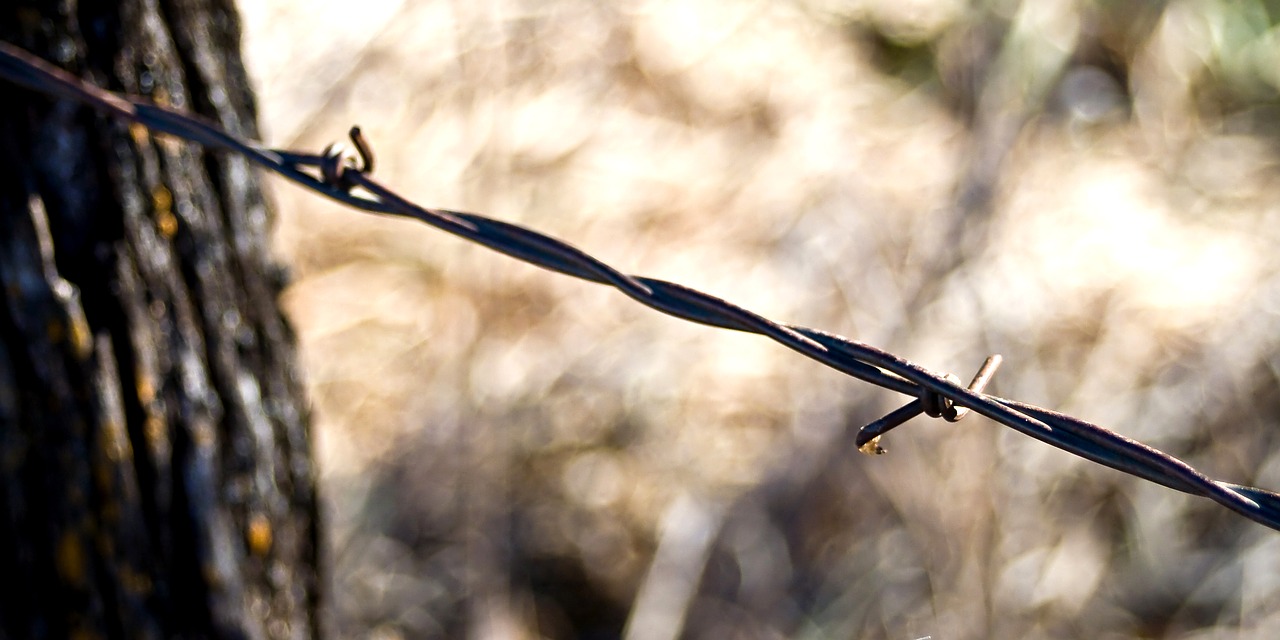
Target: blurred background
{"x": 1088, "y": 188}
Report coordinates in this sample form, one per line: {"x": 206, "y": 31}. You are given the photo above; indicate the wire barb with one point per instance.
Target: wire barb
{"x": 930, "y": 403}
{"x": 336, "y": 162}
{"x": 938, "y": 396}
{"x": 955, "y": 413}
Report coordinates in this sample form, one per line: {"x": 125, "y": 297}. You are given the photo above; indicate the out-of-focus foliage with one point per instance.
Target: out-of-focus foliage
{"x": 1088, "y": 188}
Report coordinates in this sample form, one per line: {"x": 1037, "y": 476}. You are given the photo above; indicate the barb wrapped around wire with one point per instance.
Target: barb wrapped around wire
{"x": 337, "y": 176}
{"x": 929, "y": 403}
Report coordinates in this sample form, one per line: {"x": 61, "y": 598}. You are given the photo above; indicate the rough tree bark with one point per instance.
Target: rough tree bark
{"x": 155, "y": 469}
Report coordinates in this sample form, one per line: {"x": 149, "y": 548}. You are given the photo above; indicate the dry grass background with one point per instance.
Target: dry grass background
{"x": 1085, "y": 187}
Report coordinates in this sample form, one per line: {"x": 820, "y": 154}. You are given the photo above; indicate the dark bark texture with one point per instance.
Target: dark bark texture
{"x": 155, "y": 471}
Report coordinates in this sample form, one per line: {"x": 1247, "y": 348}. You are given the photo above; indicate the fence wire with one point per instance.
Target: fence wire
{"x": 336, "y": 173}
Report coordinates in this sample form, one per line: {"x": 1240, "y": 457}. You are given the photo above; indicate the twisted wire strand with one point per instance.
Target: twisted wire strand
{"x": 337, "y": 176}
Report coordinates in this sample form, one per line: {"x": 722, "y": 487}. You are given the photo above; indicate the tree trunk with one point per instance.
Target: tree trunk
{"x": 155, "y": 468}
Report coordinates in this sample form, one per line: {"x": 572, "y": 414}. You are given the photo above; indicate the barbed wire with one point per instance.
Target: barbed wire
{"x": 337, "y": 175}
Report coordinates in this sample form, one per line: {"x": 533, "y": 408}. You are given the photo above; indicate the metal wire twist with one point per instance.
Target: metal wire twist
{"x": 337, "y": 175}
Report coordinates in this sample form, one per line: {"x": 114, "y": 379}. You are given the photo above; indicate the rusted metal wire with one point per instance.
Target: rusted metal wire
{"x": 337, "y": 175}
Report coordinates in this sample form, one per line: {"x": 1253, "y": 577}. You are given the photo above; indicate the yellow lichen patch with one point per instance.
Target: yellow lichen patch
{"x": 167, "y": 224}
{"x": 258, "y": 534}
{"x": 75, "y": 333}
{"x": 154, "y": 429}
{"x": 169, "y": 143}
{"x": 70, "y": 559}
{"x": 138, "y": 133}
{"x": 146, "y": 388}
{"x": 81, "y": 337}
{"x": 115, "y": 443}
{"x": 162, "y": 203}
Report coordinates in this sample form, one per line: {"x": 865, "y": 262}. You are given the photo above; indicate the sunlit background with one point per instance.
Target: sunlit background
{"x": 1089, "y": 188}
